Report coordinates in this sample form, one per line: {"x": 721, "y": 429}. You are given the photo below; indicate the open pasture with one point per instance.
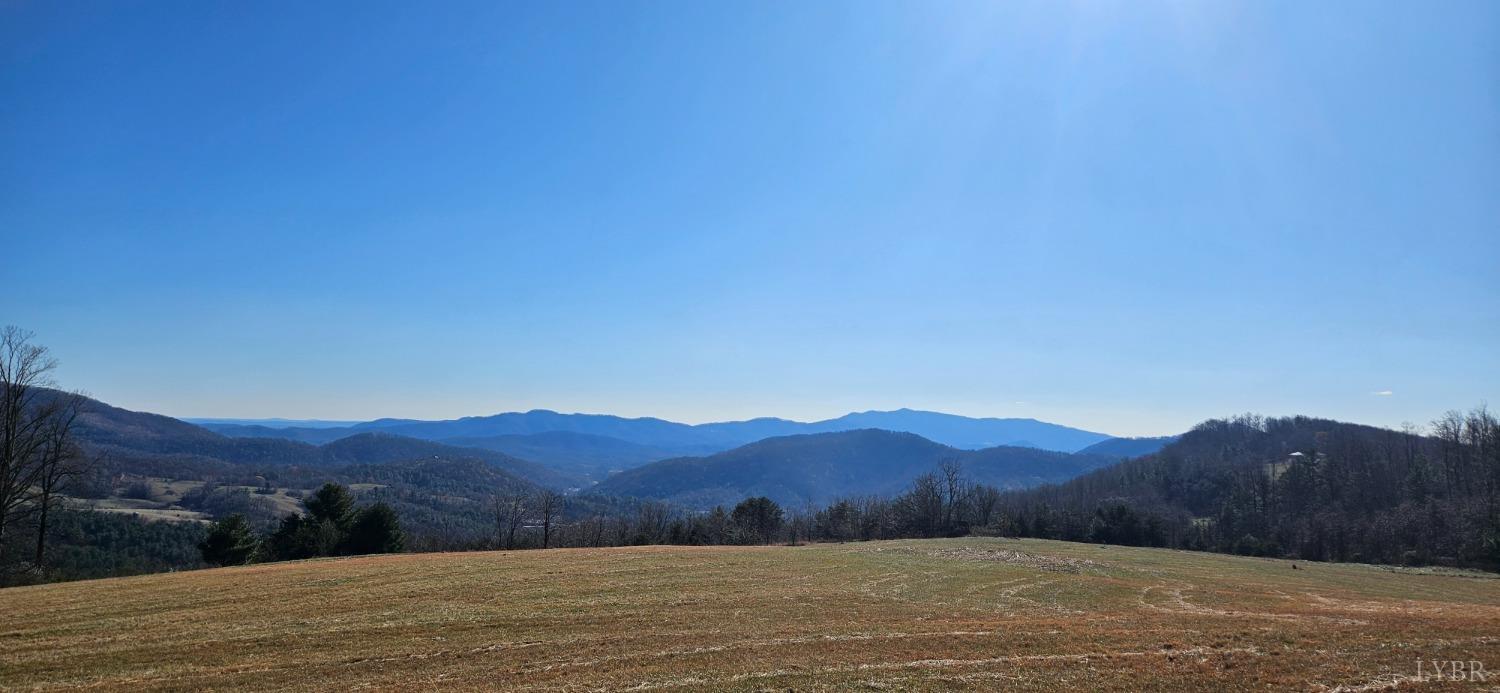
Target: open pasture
{"x": 922, "y": 614}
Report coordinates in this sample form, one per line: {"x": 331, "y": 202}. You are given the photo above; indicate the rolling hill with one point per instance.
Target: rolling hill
{"x": 817, "y": 468}
{"x": 965, "y": 432}
{"x": 938, "y": 614}
{"x": 151, "y": 444}
{"x": 380, "y": 448}
{"x": 587, "y": 455}
{"x": 1121, "y": 448}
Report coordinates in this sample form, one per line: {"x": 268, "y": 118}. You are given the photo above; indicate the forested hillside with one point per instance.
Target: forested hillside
{"x": 1297, "y": 487}
{"x": 818, "y": 468}
{"x": 591, "y": 456}
{"x": 1122, "y": 448}
{"x": 130, "y": 442}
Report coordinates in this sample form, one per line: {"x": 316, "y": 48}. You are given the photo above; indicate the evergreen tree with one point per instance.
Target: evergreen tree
{"x": 376, "y": 529}
{"x": 229, "y": 542}
{"x": 331, "y": 503}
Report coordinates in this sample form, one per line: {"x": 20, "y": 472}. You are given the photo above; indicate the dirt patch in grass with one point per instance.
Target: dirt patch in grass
{"x": 1049, "y": 564}
{"x": 990, "y": 554}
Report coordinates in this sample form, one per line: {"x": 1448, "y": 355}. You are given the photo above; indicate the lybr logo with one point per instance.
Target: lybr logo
{"x": 1451, "y": 670}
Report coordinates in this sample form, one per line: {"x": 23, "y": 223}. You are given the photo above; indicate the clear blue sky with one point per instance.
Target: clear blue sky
{"x": 1123, "y": 216}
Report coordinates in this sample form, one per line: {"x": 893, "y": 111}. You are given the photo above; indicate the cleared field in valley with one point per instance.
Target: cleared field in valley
{"x": 935, "y": 614}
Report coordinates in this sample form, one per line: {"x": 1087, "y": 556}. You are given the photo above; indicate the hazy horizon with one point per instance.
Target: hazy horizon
{"x": 1126, "y": 218}
{"x": 294, "y": 422}
{"x": 328, "y": 423}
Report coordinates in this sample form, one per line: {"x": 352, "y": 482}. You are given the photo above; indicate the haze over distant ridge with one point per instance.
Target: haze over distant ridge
{"x": 948, "y": 429}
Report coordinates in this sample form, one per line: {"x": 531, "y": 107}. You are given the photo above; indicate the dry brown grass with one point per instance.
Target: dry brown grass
{"x": 941, "y": 614}
{"x": 166, "y": 493}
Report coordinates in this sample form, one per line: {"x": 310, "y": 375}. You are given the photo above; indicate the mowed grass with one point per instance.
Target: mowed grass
{"x": 935, "y": 614}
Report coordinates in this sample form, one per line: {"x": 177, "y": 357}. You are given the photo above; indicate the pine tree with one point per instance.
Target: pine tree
{"x": 229, "y": 542}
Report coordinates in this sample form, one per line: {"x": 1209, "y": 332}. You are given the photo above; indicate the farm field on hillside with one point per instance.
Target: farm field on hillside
{"x": 160, "y": 499}
{"x": 921, "y": 614}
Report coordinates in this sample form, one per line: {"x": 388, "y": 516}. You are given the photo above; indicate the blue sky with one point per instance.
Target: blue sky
{"x": 1122, "y": 216}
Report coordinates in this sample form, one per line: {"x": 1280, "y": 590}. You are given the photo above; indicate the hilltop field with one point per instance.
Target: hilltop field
{"x": 899, "y": 615}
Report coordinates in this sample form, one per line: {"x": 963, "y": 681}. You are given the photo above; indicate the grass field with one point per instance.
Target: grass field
{"x": 166, "y": 493}
{"x": 936, "y": 614}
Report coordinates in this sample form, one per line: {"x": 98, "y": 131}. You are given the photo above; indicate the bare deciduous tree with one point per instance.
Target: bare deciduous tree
{"x": 510, "y": 514}
{"x": 955, "y": 491}
{"x": 549, "y": 503}
{"x": 983, "y": 502}
{"x": 37, "y": 453}
{"x": 651, "y": 522}
{"x": 25, "y": 369}
{"x": 60, "y": 461}
{"x": 923, "y": 505}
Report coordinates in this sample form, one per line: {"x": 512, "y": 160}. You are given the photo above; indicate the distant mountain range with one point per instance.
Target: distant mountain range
{"x": 614, "y": 457}
{"x": 276, "y": 422}
{"x": 817, "y": 468}
{"x": 674, "y": 438}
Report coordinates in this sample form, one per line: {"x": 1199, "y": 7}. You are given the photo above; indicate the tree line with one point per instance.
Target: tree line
{"x": 940, "y": 503}
{"x": 331, "y": 526}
